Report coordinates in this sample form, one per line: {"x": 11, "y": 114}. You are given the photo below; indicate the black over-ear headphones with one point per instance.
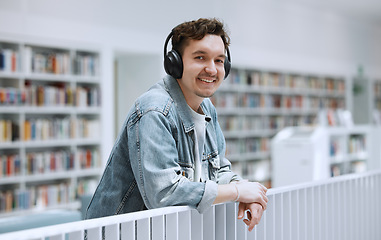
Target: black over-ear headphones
{"x": 173, "y": 63}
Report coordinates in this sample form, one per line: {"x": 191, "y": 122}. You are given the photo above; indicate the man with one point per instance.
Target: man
{"x": 171, "y": 150}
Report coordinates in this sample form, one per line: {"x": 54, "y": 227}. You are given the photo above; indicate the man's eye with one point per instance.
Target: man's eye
{"x": 220, "y": 61}
{"x": 199, "y": 57}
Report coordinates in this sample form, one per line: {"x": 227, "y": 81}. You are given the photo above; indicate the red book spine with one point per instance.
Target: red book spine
{"x": 88, "y": 158}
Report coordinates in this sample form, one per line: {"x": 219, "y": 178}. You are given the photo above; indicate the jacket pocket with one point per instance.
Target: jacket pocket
{"x": 214, "y": 167}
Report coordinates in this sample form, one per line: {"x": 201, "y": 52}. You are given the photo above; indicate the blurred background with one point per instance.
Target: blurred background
{"x": 310, "y": 70}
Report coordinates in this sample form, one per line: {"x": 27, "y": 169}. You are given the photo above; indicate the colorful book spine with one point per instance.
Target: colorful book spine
{"x": 88, "y": 158}
{"x": 47, "y": 162}
{"x": 9, "y": 60}
{"x": 42, "y": 129}
{"x": 86, "y": 65}
{"x": 37, "y": 197}
{"x": 10, "y": 165}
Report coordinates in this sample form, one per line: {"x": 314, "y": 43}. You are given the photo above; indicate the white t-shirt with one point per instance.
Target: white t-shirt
{"x": 199, "y": 138}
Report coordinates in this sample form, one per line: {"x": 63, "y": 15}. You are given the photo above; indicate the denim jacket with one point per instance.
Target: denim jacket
{"x": 152, "y": 163}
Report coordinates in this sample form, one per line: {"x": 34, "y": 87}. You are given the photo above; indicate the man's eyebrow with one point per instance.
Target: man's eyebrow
{"x": 199, "y": 52}
{"x": 204, "y": 52}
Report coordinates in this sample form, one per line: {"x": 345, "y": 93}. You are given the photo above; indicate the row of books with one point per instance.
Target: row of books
{"x": 42, "y": 196}
{"x": 258, "y": 170}
{"x": 9, "y": 130}
{"x": 337, "y": 117}
{"x": 49, "y": 161}
{"x": 58, "y": 161}
{"x": 348, "y": 167}
{"x": 47, "y": 95}
{"x": 86, "y": 187}
{"x": 234, "y": 123}
{"x": 355, "y": 144}
{"x": 249, "y": 145}
{"x": 275, "y": 79}
{"x": 40, "y": 129}
{"x": 36, "y": 197}
{"x": 86, "y": 65}
{"x": 46, "y": 162}
{"x": 45, "y": 60}
{"x": 89, "y": 158}
{"x": 255, "y": 100}
{"x": 9, "y": 60}
{"x": 86, "y": 128}
{"x": 60, "y": 128}
{"x": 10, "y": 165}
{"x": 239, "y": 123}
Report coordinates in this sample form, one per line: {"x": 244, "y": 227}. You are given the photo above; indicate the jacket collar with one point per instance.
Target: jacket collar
{"x": 174, "y": 90}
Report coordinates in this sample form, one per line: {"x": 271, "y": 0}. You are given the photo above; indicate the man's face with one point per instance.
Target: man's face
{"x": 203, "y": 68}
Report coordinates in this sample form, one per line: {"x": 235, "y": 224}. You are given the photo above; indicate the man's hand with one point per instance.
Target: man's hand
{"x": 252, "y": 192}
{"x": 254, "y": 213}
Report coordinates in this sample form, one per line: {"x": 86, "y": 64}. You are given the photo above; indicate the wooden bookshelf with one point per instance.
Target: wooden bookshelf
{"x": 253, "y": 105}
{"x": 50, "y": 118}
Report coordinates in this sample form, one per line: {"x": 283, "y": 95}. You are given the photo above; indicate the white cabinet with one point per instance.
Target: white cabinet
{"x": 306, "y": 154}
{"x": 50, "y": 105}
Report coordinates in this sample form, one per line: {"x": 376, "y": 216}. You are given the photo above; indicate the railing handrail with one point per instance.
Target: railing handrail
{"x": 92, "y": 223}
{"x": 60, "y": 229}
{"x": 320, "y": 182}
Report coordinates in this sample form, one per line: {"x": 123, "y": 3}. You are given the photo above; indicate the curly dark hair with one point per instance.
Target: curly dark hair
{"x": 196, "y": 30}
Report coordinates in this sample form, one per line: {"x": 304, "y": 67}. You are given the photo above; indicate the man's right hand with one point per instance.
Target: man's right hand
{"x": 252, "y": 192}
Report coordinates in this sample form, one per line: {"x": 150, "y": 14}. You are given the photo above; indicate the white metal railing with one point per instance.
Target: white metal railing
{"x": 342, "y": 208}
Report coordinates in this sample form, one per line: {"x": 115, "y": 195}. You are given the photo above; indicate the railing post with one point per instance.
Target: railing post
{"x": 127, "y": 230}
{"x": 231, "y": 221}
{"x": 241, "y": 227}
{"x": 112, "y": 232}
{"x": 196, "y": 225}
{"x": 287, "y": 211}
{"x": 310, "y": 213}
{"x": 185, "y": 225}
{"x": 209, "y": 224}
{"x": 302, "y": 206}
{"x": 143, "y": 229}
{"x": 220, "y": 219}
{"x": 158, "y": 228}
{"x": 172, "y": 226}
{"x": 77, "y": 235}
{"x": 57, "y": 237}
{"x": 94, "y": 233}
{"x": 278, "y": 209}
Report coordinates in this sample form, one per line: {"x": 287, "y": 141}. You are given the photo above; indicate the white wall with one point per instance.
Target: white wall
{"x": 135, "y": 74}
{"x": 269, "y": 34}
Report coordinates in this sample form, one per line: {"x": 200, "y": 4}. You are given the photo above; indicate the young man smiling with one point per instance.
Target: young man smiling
{"x": 171, "y": 150}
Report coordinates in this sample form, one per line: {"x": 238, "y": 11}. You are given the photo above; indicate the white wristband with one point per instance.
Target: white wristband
{"x": 235, "y": 185}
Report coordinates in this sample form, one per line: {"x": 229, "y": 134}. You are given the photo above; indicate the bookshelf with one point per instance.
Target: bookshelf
{"x": 50, "y": 121}
{"x": 253, "y": 105}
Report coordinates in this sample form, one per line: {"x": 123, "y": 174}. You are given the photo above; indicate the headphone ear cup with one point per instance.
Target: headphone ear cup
{"x": 227, "y": 66}
{"x": 173, "y": 64}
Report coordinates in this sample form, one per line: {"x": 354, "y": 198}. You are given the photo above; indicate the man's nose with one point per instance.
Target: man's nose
{"x": 211, "y": 68}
